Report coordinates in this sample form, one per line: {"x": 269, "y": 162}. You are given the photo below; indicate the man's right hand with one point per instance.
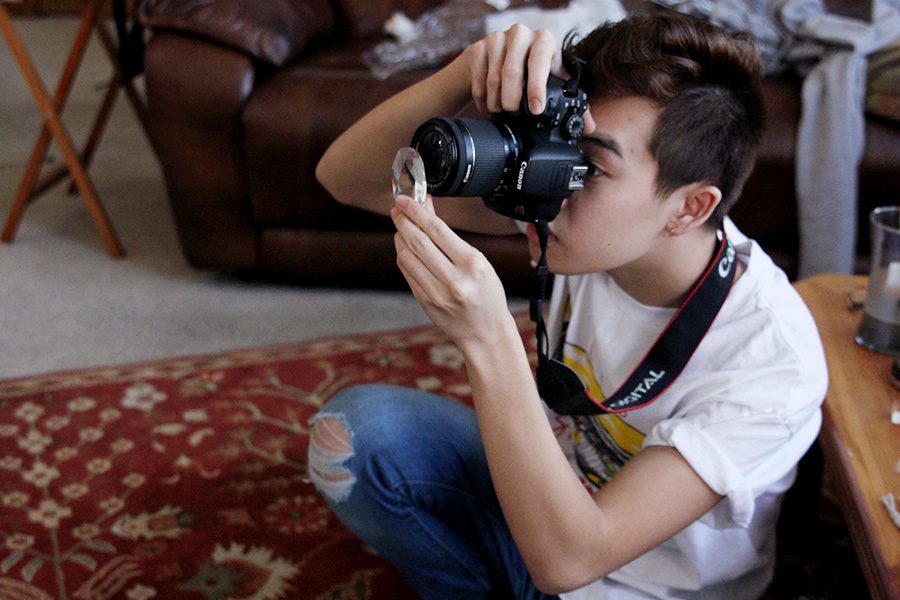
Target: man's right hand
{"x": 500, "y": 63}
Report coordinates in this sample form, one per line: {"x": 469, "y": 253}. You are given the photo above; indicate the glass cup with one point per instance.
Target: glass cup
{"x": 879, "y": 330}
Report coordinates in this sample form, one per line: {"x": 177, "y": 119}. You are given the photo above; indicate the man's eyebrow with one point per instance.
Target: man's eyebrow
{"x": 604, "y": 142}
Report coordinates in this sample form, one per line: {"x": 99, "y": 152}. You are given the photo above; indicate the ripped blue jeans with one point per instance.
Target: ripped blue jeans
{"x": 406, "y": 471}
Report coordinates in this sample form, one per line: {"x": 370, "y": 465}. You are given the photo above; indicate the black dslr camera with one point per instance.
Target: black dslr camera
{"x": 523, "y": 165}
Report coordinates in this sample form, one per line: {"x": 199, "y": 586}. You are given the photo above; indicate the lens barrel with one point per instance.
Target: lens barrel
{"x": 465, "y": 157}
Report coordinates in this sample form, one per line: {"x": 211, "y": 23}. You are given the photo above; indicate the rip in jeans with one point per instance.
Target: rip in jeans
{"x": 330, "y": 446}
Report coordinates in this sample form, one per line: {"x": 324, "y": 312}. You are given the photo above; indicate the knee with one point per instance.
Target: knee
{"x": 331, "y": 441}
{"x": 364, "y": 425}
{"x": 330, "y": 447}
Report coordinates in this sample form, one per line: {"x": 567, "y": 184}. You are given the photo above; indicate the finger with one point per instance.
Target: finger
{"x": 429, "y": 226}
{"x": 478, "y": 68}
{"x": 421, "y": 280}
{"x": 420, "y": 295}
{"x": 495, "y": 53}
{"x": 512, "y": 76}
{"x": 540, "y": 61}
{"x": 417, "y": 242}
{"x": 428, "y": 203}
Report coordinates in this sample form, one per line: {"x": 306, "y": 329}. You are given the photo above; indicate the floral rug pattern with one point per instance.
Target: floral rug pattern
{"x": 186, "y": 478}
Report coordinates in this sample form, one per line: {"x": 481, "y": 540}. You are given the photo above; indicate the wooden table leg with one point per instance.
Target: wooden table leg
{"x": 54, "y": 127}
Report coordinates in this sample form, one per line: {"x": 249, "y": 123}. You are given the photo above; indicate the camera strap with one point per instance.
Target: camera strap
{"x": 561, "y": 387}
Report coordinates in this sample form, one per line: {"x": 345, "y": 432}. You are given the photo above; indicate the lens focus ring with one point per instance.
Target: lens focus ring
{"x": 492, "y": 149}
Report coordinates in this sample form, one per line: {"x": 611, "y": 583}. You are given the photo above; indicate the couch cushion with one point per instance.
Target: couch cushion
{"x": 275, "y": 31}
{"x": 288, "y": 124}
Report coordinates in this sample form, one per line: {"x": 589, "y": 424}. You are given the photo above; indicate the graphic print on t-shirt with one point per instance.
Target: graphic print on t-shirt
{"x": 602, "y": 443}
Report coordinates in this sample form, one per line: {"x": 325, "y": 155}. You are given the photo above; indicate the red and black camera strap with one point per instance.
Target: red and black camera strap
{"x": 561, "y": 387}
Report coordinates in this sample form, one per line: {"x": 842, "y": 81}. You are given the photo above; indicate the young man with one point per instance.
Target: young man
{"x": 677, "y": 498}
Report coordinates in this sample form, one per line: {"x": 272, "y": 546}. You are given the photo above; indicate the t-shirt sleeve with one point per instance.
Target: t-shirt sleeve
{"x": 741, "y": 452}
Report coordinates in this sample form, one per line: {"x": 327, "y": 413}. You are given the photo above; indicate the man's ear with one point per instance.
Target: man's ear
{"x": 698, "y": 201}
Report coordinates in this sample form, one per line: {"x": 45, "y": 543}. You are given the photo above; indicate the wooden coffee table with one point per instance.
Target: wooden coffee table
{"x": 860, "y": 444}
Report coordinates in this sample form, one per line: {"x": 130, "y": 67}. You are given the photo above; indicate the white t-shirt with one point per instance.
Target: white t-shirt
{"x": 742, "y": 413}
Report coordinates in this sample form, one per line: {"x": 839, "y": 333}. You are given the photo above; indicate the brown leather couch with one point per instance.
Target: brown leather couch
{"x": 245, "y": 96}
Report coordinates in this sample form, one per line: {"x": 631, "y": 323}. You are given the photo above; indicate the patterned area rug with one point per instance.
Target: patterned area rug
{"x": 186, "y": 478}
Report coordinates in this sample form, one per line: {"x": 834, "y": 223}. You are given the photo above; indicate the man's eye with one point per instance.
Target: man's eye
{"x": 595, "y": 171}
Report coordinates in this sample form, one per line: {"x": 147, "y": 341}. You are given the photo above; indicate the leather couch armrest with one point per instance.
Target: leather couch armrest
{"x": 274, "y": 31}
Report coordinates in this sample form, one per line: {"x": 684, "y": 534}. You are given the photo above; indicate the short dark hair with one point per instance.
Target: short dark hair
{"x": 707, "y": 81}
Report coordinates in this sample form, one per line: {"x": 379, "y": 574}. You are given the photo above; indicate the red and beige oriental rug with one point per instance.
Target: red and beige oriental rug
{"x": 186, "y": 478}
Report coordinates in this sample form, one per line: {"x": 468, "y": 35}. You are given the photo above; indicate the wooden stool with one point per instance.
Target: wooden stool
{"x": 51, "y": 108}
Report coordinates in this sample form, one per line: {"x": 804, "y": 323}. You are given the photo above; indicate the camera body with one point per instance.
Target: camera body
{"x": 522, "y": 165}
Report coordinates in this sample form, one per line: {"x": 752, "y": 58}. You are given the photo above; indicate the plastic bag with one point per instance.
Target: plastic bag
{"x": 431, "y": 40}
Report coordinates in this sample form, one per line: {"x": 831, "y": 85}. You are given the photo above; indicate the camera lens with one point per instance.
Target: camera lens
{"x": 465, "y": 157}
{"x": 439, "y": 152}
